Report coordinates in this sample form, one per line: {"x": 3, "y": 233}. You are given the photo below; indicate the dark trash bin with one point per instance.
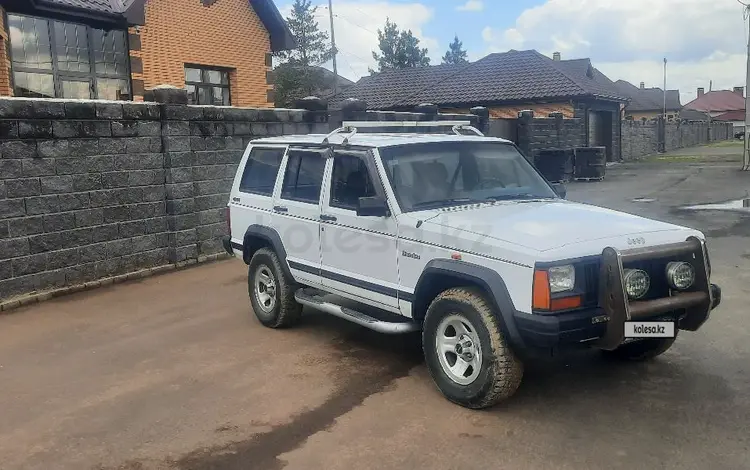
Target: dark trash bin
{"x": 590, "y": 163}
{"x": 555, "y": 164}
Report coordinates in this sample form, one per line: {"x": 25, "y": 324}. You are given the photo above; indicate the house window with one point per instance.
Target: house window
{"x": 67, "y": 60}
{"x": 207, "y": 85}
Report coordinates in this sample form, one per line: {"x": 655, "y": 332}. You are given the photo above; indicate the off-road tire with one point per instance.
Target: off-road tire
{"x": 287, "y": 311}
{"x": 501, "y": 371}
{"x": 643, "y": 350}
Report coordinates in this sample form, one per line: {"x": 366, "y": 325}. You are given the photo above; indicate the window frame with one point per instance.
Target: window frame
{"x": 289, "y": 154}
{"x": 58, "y": 75}
{"x": 209, "y": 85}
{"x": 362, "y": 157}
{"x": 281, "y": 148}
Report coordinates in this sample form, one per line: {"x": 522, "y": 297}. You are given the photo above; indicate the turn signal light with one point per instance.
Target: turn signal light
{"x": 565, "y": 303}
{"x": 541, "y": 295}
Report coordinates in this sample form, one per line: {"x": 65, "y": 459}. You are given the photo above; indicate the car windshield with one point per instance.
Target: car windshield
{"x": 440, "y": 174}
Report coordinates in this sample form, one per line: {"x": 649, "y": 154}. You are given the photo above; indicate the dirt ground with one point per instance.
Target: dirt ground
{"x": 174, "y": 372}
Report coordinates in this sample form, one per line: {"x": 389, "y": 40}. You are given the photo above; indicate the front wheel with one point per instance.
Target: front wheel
{"x": 642, "y": 350}
{"x": 467, "y": 356}
{"x": 271, "y": 292}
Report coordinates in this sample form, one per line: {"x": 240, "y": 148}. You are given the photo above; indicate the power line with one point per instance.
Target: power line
{"x": 356, "y": 24}
{"x": 348, "y": 64}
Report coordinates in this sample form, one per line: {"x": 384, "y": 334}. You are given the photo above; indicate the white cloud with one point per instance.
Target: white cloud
{"x": 703, "y": 40}
{"x": 471, "y": 5}
{"x": 356, "y": 26}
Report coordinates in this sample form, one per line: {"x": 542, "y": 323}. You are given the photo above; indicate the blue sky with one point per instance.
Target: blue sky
{"x": 703, "y": 40}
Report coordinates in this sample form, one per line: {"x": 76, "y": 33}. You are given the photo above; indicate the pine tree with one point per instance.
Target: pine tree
{"x": 456, "y": 53}
{"x": 398, "y": 49}
{"x": 297, "y": 77}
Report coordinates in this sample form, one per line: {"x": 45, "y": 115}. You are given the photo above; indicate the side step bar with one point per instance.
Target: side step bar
{"x": 310, "y": 299}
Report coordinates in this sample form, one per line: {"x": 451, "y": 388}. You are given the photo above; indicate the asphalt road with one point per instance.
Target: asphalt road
{"x": 174, "y": 372}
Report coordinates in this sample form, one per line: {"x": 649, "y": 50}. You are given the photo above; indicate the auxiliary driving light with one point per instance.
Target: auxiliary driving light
{"x": 637, "y": 283}
{"x": 680, "y": 275}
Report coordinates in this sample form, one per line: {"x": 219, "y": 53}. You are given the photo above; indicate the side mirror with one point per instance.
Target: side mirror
{"x": 560, "y": 189}
{"x": 373, "y": 207}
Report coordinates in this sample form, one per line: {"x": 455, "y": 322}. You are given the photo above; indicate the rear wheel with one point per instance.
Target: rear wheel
{"x": 271, "y": 292}
{"x": 466, "y": 353}
{"x": 642, "y": 350}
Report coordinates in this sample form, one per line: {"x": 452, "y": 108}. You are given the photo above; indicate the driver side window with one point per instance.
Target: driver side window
{"x": 350, "y": 181}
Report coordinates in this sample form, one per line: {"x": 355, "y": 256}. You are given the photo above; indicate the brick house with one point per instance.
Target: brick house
{"x": 506, "y": 83}
{"x": 220, "y": 50}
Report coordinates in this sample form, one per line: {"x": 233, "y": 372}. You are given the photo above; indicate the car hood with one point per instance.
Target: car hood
{"x": 545, "y": 225}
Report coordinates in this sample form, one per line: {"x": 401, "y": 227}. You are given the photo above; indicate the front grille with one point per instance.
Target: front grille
{"x": 590, "y": 283}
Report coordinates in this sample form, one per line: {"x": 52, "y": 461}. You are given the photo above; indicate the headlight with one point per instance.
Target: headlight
{"x": 680, "y": 275}
{"x": 562, "y": 278}
{"x": 637, "y": 283}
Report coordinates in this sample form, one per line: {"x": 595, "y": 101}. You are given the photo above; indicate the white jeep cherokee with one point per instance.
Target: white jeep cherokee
{"x": 458, "y": 237}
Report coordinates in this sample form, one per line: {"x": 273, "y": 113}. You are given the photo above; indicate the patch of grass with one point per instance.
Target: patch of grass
{"x": 727, "y": 143}
{"x": 691, "y": 158}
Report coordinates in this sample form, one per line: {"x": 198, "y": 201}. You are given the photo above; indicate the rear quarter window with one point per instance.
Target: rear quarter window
{"x": 261, "y": 169}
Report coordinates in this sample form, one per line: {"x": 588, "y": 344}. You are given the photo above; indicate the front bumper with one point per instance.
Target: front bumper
{"x": 604, "y": 325}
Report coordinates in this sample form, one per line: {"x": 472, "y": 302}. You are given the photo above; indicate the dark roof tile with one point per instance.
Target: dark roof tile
{"x": 509, "y": 76}
{"x": 390, "y": 88}
{"x": 648, "y": 99}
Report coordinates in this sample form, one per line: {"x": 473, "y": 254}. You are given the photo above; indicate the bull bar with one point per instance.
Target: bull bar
{"x": 696, "y": 303}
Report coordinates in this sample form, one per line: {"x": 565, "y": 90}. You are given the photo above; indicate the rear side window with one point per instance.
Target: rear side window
{"x": 261, "y": 169}
{"x": 304, "y": 176}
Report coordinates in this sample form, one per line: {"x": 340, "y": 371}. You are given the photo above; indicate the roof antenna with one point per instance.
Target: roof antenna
{"x": 710, "y": 85}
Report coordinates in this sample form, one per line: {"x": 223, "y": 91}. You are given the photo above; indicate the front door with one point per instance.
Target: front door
{"x": 297, "y": 212}
{"x": 359, "y": 257}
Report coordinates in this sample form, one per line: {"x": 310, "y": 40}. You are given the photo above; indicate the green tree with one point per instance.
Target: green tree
{"x": 456, "y": 53}
{"x": 398, "y": 49}
{"x": 297, "y": 76}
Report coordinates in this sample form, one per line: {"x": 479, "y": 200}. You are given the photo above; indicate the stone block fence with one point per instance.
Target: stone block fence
{"x": 645, "y": 138}
{"x": 638, "y": 139}
{"x": 96, "y": 190}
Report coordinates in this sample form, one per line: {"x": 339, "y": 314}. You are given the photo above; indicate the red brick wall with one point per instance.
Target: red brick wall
{"x": 226, "y": 34}
{"x": 5, "y": 89}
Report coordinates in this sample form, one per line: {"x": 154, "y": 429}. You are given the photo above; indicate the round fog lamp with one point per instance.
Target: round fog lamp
{"x": 680, "y": 275}
{"x": 637, "y": 283}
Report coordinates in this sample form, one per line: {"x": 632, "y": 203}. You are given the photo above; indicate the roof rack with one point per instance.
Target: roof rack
{"x": 365, "y": 124}
{"x": 346, "y": 128}
{"x": 350, "y": 127}
{"x": 458, "y": 128}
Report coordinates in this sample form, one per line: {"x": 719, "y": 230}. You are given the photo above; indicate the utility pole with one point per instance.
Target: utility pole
{"x": 746, "y": 153}
{"x": 333, "y": 49}
{"x": 665, "y": 89}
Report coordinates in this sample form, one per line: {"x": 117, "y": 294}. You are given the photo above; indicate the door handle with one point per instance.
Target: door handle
{"x": 280, "y": 209}
{"x": 328, "y": 218}
{"x": 236, "y": 199}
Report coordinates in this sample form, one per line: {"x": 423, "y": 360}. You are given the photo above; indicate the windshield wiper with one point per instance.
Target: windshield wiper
{"x": 516, "y": 197}
{"x": 445, "y": 202}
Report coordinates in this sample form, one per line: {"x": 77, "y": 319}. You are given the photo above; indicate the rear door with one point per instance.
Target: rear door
{"x": 252, "y": 191}
{"x": 296, "y": 210}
